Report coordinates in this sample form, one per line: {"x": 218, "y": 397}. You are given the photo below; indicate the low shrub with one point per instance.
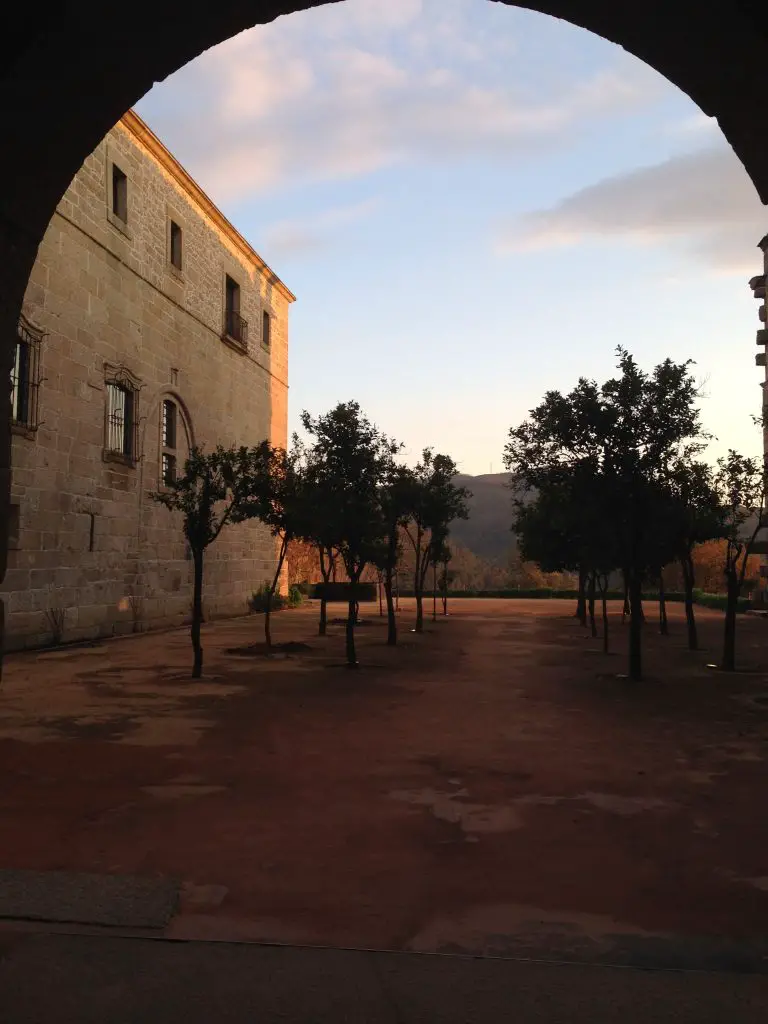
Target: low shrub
{"x": 719, "y": 601}
{"x": 257, "y": 602}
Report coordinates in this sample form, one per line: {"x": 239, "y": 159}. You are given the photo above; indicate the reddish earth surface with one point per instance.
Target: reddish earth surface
{"x": 485, "y": 786}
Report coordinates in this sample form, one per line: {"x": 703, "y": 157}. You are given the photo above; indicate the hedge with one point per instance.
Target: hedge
{"x": 545, "y": 593}
{"x": 719, "y": 601}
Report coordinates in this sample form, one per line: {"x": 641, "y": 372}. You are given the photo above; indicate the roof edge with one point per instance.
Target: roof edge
{"x": 144, "y": 134}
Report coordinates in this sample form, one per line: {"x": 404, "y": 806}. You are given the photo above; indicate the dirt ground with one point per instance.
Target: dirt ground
{"x": 492, "y": 778}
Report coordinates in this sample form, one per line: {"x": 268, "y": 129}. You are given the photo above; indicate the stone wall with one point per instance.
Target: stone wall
{"x": 89, "y": 538}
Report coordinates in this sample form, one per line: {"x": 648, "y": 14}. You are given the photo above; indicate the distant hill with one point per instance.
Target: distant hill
{"x": 487, "y": 533}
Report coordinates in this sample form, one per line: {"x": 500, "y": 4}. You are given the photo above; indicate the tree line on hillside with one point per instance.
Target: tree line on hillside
{"x": 345, "y": 495}
{"x": 611, "y": 478}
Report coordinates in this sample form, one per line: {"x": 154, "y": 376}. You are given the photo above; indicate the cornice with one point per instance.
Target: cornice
{"x": 144, "y": 134}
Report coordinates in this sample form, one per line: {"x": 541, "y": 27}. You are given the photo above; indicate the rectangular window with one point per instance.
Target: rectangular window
{"x": 169, "y": 424}
{"x": 169, "y": 469}
{"x": 120, "y": 420}
{"x": 233, "y": 295}
{"x": 235, "y": 326}
{"x": 266, "y": 329}
{"x": 119, "y": 194}
{"x": 175, "y": 245}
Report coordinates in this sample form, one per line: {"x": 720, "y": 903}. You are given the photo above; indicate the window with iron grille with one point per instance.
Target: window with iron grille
{"x": 168, "y": 431}
{"x": 25, "y": 377}
{"x": 122, "y": 419}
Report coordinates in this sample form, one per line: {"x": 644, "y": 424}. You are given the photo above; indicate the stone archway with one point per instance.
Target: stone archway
{"x": 70, "y": 70}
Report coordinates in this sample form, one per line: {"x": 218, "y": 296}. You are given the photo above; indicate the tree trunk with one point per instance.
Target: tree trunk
{"x": 268, "y": 622}
{"x": 197, "y": 612}
{"x": 381, "y": 606}
{"x": 592, "y": 623}
{"x": 635, "y": 627}
{"x": 434, "y": 591}
{"x": 604, "y": 602}
{"x": 391, "y": 618}
{"x": 663, "y": 622}
{"x": 351, "y": 618}
{"x": 326, "y": 574}
{"x": 581, "y": 600}
{"x": 729, "y": 635}
{"x": 417, "y": 581}
{"x": 272, "y": 589}
{"x": 625, "y": 607}
{"x": 686, "y": 563}
{"x": 445, "y": 589}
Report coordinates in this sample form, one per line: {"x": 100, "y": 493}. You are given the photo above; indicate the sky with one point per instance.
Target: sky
{"x": 474, "y": 204}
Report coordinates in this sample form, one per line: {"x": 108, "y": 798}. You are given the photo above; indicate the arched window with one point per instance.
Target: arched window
{"x": 169, "y": 421}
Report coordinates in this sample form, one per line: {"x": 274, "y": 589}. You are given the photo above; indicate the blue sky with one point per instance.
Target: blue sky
{"x": 474, "y": 203}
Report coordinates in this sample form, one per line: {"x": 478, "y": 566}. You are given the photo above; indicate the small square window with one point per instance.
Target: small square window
{"x": 175, "y": 245}
{"x": 119, "y": 194}
{"x": 266, "y": 329}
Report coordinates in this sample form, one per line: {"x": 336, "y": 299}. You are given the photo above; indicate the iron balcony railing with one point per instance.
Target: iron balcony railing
{"x": 235, "y": 327}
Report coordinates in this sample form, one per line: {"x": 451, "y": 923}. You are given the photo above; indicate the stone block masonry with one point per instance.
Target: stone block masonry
{"x": 121, "y": 336}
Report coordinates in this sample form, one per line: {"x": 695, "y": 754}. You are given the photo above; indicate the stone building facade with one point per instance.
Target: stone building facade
{"x": 149, "y": 324}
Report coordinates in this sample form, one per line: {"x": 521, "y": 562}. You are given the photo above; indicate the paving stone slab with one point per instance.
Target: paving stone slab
{"x": 119, "y": 901}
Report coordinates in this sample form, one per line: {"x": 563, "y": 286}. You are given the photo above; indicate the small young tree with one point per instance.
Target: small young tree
{"x": 740, "y": 485}
{"x": 395, "y": 497}
{"x": 435, "y": 502}
{"x": 346, "y": 466}
{"x": 695, "y": 520}
{"x": 210, "y": 494}
{"x": 444, "y": 580}
{"x": 275, "y": 485}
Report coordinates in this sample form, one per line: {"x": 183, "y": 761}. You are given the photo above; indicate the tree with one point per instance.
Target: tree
{"x": 695, "y": 519}
{"x": 321, "y": 528}
{"x": 435, "y": 502}
{"x": 347, "y": 464}
{"x": 395, "y": 496}
{"x": 445, "y": 577}
{"x": 565, "y": 529}
{"x": 276, "y": 493}
{"x": 210, "y": 494}
{"x": 625, "y": 433}
{"x": 740, "y": 486}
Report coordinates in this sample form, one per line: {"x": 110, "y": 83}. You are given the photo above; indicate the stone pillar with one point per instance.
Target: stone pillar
{"x": 18, "y": 249}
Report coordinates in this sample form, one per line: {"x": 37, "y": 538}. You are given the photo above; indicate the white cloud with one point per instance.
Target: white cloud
{"x": 312, "y": 98}
{"x": 702, "y": 201}
{"x": 288, "y": 237}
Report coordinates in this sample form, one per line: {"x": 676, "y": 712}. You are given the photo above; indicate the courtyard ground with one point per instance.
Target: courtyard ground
{"x": 492, "y": 786}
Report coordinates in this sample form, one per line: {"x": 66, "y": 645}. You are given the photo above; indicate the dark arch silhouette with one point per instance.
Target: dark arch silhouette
{"x": 71, "y": 68}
